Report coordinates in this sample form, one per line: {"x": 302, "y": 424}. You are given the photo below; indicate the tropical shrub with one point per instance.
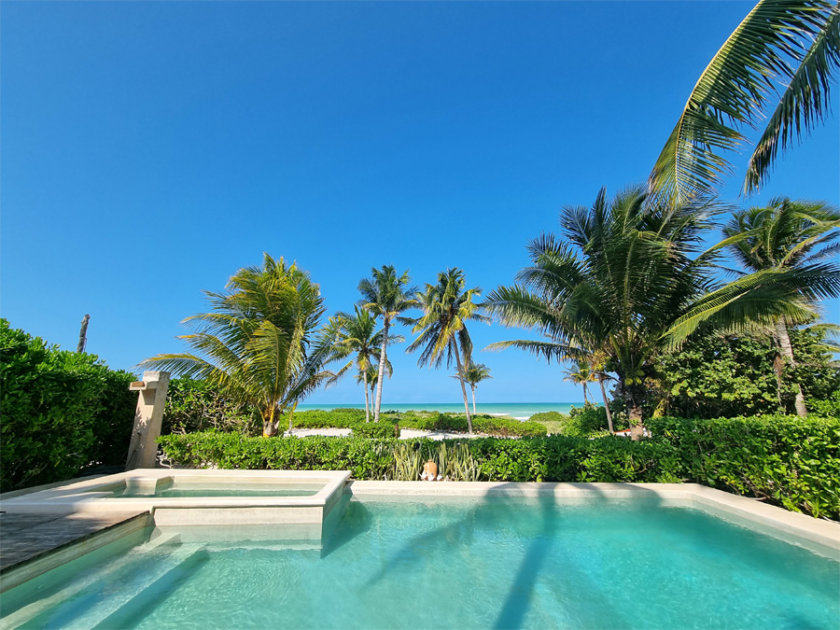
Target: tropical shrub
{"x": 787, "y": 460}
{"x": 195, "y": 405}
{"x": 784, "y": 460}
{"x": 376, "y": 429}
{"x": 62, "y": 411}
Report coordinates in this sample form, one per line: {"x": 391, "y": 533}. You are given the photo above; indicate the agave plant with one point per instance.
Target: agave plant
{"x": 261, "y": 342}
{"x": 784, "y": 52}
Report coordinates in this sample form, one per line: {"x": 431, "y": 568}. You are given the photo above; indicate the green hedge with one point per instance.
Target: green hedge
{"x": 785, "y": 460}
{"x": 556, "y": 458}
{"x": 62, "y": 411}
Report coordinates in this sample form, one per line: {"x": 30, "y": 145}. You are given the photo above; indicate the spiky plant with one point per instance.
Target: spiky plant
{"x": 387, "y": 295}
{"x": 260, "y": 343}
{"x": 442, "y": 328}
{"x": 778, "y": 65}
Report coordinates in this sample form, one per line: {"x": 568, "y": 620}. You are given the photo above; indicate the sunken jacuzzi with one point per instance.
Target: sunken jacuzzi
{"x": 207, "y": 504}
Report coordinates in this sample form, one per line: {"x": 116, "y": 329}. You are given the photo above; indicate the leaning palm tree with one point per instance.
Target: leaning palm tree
{"x": 629, "y": 280}
{"x": 473, "y": 374}
{"x": 581, "y": 374}
{"x": 442, "y": 328}
{"x": 387, "y": 295}
{"x": 260, "y": 343}
{"x": 357, "y": 335}
{"x": 784, "y": 52}
{"x": 782, "y": 235}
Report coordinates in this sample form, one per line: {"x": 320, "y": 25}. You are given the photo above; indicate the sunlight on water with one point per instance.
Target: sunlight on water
{"x": 488, "y": 564}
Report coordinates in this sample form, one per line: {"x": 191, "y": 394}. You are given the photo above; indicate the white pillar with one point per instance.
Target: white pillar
{"x": 142, "y": 453}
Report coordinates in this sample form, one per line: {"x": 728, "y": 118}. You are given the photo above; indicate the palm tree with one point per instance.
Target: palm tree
{"x": 786, "y": 234}
{"x": 581, "y": 374}
{"x": 783, "y": 50}
{"x": 443, "y": 326}
{"x": 260, "y": 343}
{"x": 628, "y": 281}
{"x": 356, "y": 334}
{"x": 385, "y": 294}
{"x": 473, "y": 374}
{"x": 371, "y": 375}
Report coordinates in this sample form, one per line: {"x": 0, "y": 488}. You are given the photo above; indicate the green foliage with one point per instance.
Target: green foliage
{"x": 321, "y": 419}
{"x": 787, "y": 460}
{"x": 556, "y": 458}
{"x": 195, "y": 405}
{"x": 62, "y": 411}
{"x": 588, "y": 421}
{"x": 379, "y": 429}
{"x": 828, "y": 408}
{"x": 712, "y": 377}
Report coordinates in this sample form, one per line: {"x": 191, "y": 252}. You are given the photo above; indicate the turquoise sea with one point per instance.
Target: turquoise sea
{"x": 522, "y": 411}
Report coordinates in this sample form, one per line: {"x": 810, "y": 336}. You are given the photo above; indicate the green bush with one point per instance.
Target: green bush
{"x": 556, "y": 458}
{"x": 376, "y": 429}
{"x": 789, "y": 461}
{"x": 193, "y": 406}
{"x": 321, "y": 419}
{"x": 785, "y": 460}
{"x": 62, "y": 411}
{"x": 828, "y": 407}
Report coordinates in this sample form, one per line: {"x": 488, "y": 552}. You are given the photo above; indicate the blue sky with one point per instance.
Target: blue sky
{"x": 151, "y": 149}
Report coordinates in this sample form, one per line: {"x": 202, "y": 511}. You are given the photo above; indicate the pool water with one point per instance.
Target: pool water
{"x": 479, "y": 564}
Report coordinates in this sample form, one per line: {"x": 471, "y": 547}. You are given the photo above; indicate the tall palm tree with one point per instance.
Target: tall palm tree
{"x": 442, "y": 328}
{"x": 784, "y": 51}
{"x": 629, "y": 280}
{"x": 786, "y": 234}
{"x": 385, "y": 294}
{"x": 581, "y": 374}
{"x": 473, "y": 374}
{"x": 356, "y": 334}
{"x": 260, "y": 343}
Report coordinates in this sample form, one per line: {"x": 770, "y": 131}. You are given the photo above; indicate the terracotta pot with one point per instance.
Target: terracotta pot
{"x": 430, "y": 468}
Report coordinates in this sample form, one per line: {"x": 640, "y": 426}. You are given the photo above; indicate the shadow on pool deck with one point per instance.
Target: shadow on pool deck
{"x": 519, "y": 599}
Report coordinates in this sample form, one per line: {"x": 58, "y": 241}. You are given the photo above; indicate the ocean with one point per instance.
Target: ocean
{"x": 521, "y": 411}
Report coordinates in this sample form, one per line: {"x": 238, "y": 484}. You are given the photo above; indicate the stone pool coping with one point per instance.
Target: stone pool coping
{"x": 817, "y": 535}
{"x": 94, "y": 495}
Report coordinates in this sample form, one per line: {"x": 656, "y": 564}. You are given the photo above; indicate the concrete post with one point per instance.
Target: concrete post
{"x": 142, "y": 453}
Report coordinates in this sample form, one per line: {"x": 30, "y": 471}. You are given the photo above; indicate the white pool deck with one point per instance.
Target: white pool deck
{"x": 303, "y": 518}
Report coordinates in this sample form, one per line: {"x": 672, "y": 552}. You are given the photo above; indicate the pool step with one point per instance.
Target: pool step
{"x": 84, "y": 602}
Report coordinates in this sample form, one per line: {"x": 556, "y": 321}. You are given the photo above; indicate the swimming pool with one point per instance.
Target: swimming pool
{"x": 469, "y": 562}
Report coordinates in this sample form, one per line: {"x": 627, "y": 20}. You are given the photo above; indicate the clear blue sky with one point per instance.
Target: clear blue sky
{"x": 151, "y": 149}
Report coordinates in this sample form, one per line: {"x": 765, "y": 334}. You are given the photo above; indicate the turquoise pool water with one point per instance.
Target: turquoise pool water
{"x": 489, "y": 564}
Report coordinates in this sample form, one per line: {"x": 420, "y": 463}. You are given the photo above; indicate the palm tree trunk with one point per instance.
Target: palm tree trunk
{"x": 291, "y": 415}
{"x": 585, "y": 398}
{"x": 473, "y": 397}
{"x": 463, "y": 388}
{"x": 606, "y": 404}
{"x": 386, "y": 325}
{"x": 367, "y": 402}
{"x": 783, "y": 340}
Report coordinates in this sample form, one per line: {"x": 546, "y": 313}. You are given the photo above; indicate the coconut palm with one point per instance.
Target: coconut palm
{"x": 260, "y": 343}
{"x": 629, "y": 281}
{"x": 442, "y": 328}
{"x": 357, "y": 335}
{"x": 784, "y": 52}
{"x": 581, "y": 374}
{"x": 473, "y": 374}
{"x": 786, "y": 234}
{"x": 387, "y": 295}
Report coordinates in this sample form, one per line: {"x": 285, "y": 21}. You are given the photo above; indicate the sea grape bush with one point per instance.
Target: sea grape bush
{"x": 784, "y": 460}
{"x": 62, "y": 411}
